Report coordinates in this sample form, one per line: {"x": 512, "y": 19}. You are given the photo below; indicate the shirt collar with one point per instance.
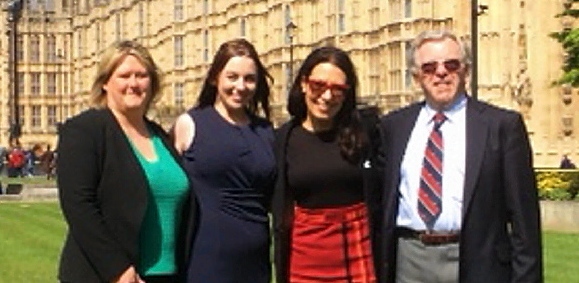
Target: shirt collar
{"x": 449, "y": 112}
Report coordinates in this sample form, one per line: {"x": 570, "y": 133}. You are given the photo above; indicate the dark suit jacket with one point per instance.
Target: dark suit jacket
{"x": 103, "y": 195}
{"x": 283, "y": 202}
{"x": 501, "y": 235}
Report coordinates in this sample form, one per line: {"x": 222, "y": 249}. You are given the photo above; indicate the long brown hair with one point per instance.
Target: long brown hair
{"x": 351, "y": 136}
{"x": 227, "y": 50}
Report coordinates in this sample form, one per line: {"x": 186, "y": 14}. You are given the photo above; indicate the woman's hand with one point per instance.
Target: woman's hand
{"x": 129, "y": 276}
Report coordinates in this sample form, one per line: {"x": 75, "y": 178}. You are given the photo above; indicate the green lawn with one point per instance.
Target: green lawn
{"x": 561, "y": 255}
{"x": 31, "y": 236}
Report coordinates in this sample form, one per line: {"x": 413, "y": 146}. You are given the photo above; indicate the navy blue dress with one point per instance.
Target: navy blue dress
{"x": 232, "y": 170}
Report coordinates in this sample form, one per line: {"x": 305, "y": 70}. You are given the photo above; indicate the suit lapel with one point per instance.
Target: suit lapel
{"x": 476, "y": 138}
{"x": 125, "y": 153}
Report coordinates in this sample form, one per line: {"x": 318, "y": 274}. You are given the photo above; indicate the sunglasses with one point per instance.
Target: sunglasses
{"x": 451, "y": 65}
{"x": 318, "y": 87}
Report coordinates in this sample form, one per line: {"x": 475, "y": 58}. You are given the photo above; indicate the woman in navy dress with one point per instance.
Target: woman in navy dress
{"x": 227, "y": 151}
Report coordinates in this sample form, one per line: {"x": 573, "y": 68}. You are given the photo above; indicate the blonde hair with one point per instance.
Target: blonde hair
{"x": 110, "y": 61}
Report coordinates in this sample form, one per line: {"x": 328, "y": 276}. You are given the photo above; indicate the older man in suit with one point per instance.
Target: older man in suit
{"x": 460, "y": 196}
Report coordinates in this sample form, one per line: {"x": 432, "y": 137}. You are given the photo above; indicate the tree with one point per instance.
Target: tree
{"x": 569, "y": 39}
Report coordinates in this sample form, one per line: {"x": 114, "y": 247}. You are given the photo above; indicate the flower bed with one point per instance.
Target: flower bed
{"x": 558, "y": 184}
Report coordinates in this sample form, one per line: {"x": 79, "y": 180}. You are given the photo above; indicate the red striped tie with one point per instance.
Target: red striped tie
{"x": 430, "y": 191}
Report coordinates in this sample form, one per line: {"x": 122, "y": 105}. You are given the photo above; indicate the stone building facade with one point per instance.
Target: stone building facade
{"x": 60, "y": 41}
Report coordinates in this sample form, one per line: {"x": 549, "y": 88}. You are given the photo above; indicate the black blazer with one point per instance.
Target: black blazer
{"x": 283, "y": 202}
{"x": 103, "y": 195}
{"x": 500, "y": 238}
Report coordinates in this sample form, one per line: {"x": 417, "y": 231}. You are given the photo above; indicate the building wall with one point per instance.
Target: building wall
{"x": 517, "y": 59}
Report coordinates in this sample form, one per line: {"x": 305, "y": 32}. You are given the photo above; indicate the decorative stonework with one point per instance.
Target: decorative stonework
{"x": 523, "y": 91}
{"x": 502, "y": 53}
{"x": 567, "y": 125}
{"x": 506, "y": 87}
{"x": 566, "y": 94}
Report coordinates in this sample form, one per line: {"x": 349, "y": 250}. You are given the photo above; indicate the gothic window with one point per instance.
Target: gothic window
{"x": 34, "y": 49}
{"x": 20, "y": 82}
{"x": 51, "y": 83}
{"x": 407, "y": 8}
{"x": 178, "y": 10}
{"x": 341, "y": 16}
{"x": 51, "y": 115}
{"x": 36, "y": 116}
{"x": 242, "y": 27}
{"x": 205, "y": 7}
{"x": 34, "y": 83}
{"x": 179, "y": 95}
{"x": 287, "y": 19}
{"x": 205, "y": 46}
{"x": 178, "y": 51}
{"x": 50, "y": 48}
{"x": 20, "y": 49}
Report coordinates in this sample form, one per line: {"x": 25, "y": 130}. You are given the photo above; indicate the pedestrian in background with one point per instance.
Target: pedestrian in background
{"x": 15, "y": 159}
{"x": 122, "y": 190}
{"x": 48, "y": 162}
{"x": 460, "y": 192}
{"x": 566, "y": 163}
{"x": 227, "y": 149}
{"x": 326, "y": 202}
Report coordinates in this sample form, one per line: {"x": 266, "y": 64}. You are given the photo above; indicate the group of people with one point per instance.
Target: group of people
{"x": 22, "y": 162}
{"x": 442, "y": 190}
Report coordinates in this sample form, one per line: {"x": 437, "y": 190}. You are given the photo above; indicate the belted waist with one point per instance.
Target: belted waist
{"x": 429, "y": 238}
{"x": 354, "y": 212}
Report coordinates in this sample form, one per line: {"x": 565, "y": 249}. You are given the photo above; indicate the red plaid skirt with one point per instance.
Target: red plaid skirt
{"x": 331, "y": 245}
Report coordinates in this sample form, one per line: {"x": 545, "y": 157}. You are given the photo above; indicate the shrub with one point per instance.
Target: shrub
{"x": 555, "y": 184}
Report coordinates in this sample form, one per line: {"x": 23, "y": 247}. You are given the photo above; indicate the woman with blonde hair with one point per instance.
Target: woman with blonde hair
{"x": 124, "y": 195}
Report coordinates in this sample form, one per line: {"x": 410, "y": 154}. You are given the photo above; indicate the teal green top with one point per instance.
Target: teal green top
{"x": 168, "y": 187}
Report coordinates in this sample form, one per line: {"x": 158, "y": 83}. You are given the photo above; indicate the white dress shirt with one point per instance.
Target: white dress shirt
{"x": 453, "y": 168}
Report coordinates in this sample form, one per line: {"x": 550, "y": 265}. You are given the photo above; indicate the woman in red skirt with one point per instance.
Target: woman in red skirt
{"x": 327, "y": 197}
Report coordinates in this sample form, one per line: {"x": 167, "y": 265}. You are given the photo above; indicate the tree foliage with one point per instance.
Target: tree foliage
{"x": 569, "y": 39}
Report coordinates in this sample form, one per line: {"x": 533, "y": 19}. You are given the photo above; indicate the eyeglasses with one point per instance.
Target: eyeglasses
{"x": 451, "y": 65}
{"x": 318, "y": 87}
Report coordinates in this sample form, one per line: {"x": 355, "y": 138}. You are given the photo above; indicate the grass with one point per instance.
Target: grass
{"x": 560, "y": 257}
{"x": 31, "y": 236}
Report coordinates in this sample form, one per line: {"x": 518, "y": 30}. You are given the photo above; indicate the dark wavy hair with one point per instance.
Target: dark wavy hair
{"x": 351, "y": 138}
{"x": 227, "y": 50}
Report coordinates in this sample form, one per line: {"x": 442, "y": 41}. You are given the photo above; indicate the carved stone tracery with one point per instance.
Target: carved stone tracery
{"x": 522, "y": 89}
{"x": 522, "y": 93}
{"x": 567, "y": 94}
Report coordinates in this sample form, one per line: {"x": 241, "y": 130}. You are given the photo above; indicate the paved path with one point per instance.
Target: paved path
{"x": 556, "y": 216}
{"x": 31, "y": 193}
